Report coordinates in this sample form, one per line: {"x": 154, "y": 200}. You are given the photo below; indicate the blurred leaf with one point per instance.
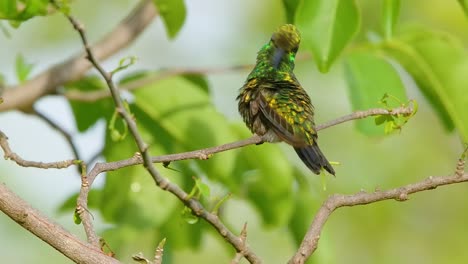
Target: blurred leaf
{"x": 327, "y": 26}
{"x": 125, "y": 240}
{"x": 182, "y": 233}
{"x": 115, "y": 133}
{"x": 129, "y": 195}
{"x": 124, "y": 63}
{"x": 391, "y": 11}
{"x": 203, "y": 188}
{"x": 305, "y": 204}
{"x": 199, "y": 80}
{"x": 132, "y": 76}
{"x": 464, "y": 5}
{"x": 186, "y": 113}
{"x": 290, "y": 7}
{"x": 268, "y": 185}
{"x": 173, "y": 14}
{"x": 88, "y": 113}
{"x": 369, "y": 77}
{"x": 17, "y": 11}
{"x": 23, "y": 69}
{"x": 438, "y": 63}
{"x": 188, "y": 216}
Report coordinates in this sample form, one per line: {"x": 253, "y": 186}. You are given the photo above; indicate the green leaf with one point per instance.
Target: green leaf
{"x": 23, "y": 69}
{"x": 191, "y": 121}
{"x": 327, "y": 26}
{"x": 18, "y": 11}
{"x": 76, "y": 218}
{"x": 188, "y": 216}
{"x": 464, "y": 5}
{"x": 290, "y": 7}
{"x": 369, "y": 77}
{"x": 268, "y": 185}
{"x": 173, "y": 13}
{"x": 203, "y": 188}
{"x": 391, "y": 11}
{"x": 88, "y": 113}
{"x": 199, "y": 80}
{"x": 438, "y": 63}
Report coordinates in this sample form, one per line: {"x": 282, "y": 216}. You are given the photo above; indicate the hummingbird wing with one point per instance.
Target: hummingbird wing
{"x": 289, "y": 112}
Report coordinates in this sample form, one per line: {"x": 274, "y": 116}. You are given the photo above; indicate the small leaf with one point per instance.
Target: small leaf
{"x": 438, "y": 63}
{"x": 124, "y": 63}
{"x": 391, "y": 11}
{"x": 203, "y": 188}
{"x": 380, "y": 119}
{"x": 76, "y": 218}
{"x": 88, "y": 113}
{"x": 369, "y": 77}
{"x": 173, "y": 13}
{"x": 18, "y": 11}
{"x": 23, "y": 69}
{"x": 188, "y": 216}
{"x": 327, "y": 26}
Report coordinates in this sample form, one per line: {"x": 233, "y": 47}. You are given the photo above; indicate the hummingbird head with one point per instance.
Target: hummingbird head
{"x": 285, "y": 41}
{"x": 287, "y": 38}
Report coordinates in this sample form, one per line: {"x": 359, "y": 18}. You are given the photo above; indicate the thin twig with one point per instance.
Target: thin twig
{"x": 9, "y": 154}
{"x": 194, "y": 205}
{"x": 403, "y": 110}
{"x": 243, "y": 235}
{"x": 310, "y": 242}
{"x": 158, "y": 255}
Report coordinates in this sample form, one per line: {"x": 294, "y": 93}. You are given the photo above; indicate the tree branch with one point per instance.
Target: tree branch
{"x": 22, "y": 97}
{"x": 51, "y": 233}
{"x": 163, "y": 183}
{"x": 9, "y": 154}
{"x": 206, "y": 153}
{"x": 311, "y": 239}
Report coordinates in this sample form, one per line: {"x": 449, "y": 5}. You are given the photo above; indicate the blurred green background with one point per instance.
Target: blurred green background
{"x": 429, "y": 228}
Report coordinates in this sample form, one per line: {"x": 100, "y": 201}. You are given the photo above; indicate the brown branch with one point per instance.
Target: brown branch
{"x": 194, "y": 205}
{"x": 311, "y": 239}
{"x": 9, "y": 154}
{"x": 403, "y": 110}
{"x": 243, "y": 235}
{"x": 23, "y": 96}
{"x": 53, "y": 234}
{"x": 208, "y": 152}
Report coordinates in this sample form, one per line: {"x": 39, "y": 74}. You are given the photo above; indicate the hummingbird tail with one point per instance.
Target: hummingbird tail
{"x": 314, "y": 159}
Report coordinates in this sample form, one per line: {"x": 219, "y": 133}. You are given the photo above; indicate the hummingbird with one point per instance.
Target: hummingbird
{"x": 274, "y": 105}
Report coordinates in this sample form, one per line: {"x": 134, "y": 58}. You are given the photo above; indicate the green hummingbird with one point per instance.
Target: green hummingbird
{"x": 273, "y": 103}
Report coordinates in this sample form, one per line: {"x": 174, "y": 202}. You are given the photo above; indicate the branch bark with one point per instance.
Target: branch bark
{"x": 53, "y": 234}
{"x": 310, "y": 242}
{"x": 22, "y": 97}
{"x": 196, "y": 207}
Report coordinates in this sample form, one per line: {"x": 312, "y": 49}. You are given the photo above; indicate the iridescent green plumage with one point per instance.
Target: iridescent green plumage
{"x": 274, "y": 105}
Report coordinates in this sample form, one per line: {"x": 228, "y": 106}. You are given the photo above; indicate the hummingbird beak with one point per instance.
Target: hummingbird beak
{"x": 277, "y": 57}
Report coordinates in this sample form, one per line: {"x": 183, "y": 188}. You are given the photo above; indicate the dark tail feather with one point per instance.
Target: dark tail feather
{"x": 314, "y": 159}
